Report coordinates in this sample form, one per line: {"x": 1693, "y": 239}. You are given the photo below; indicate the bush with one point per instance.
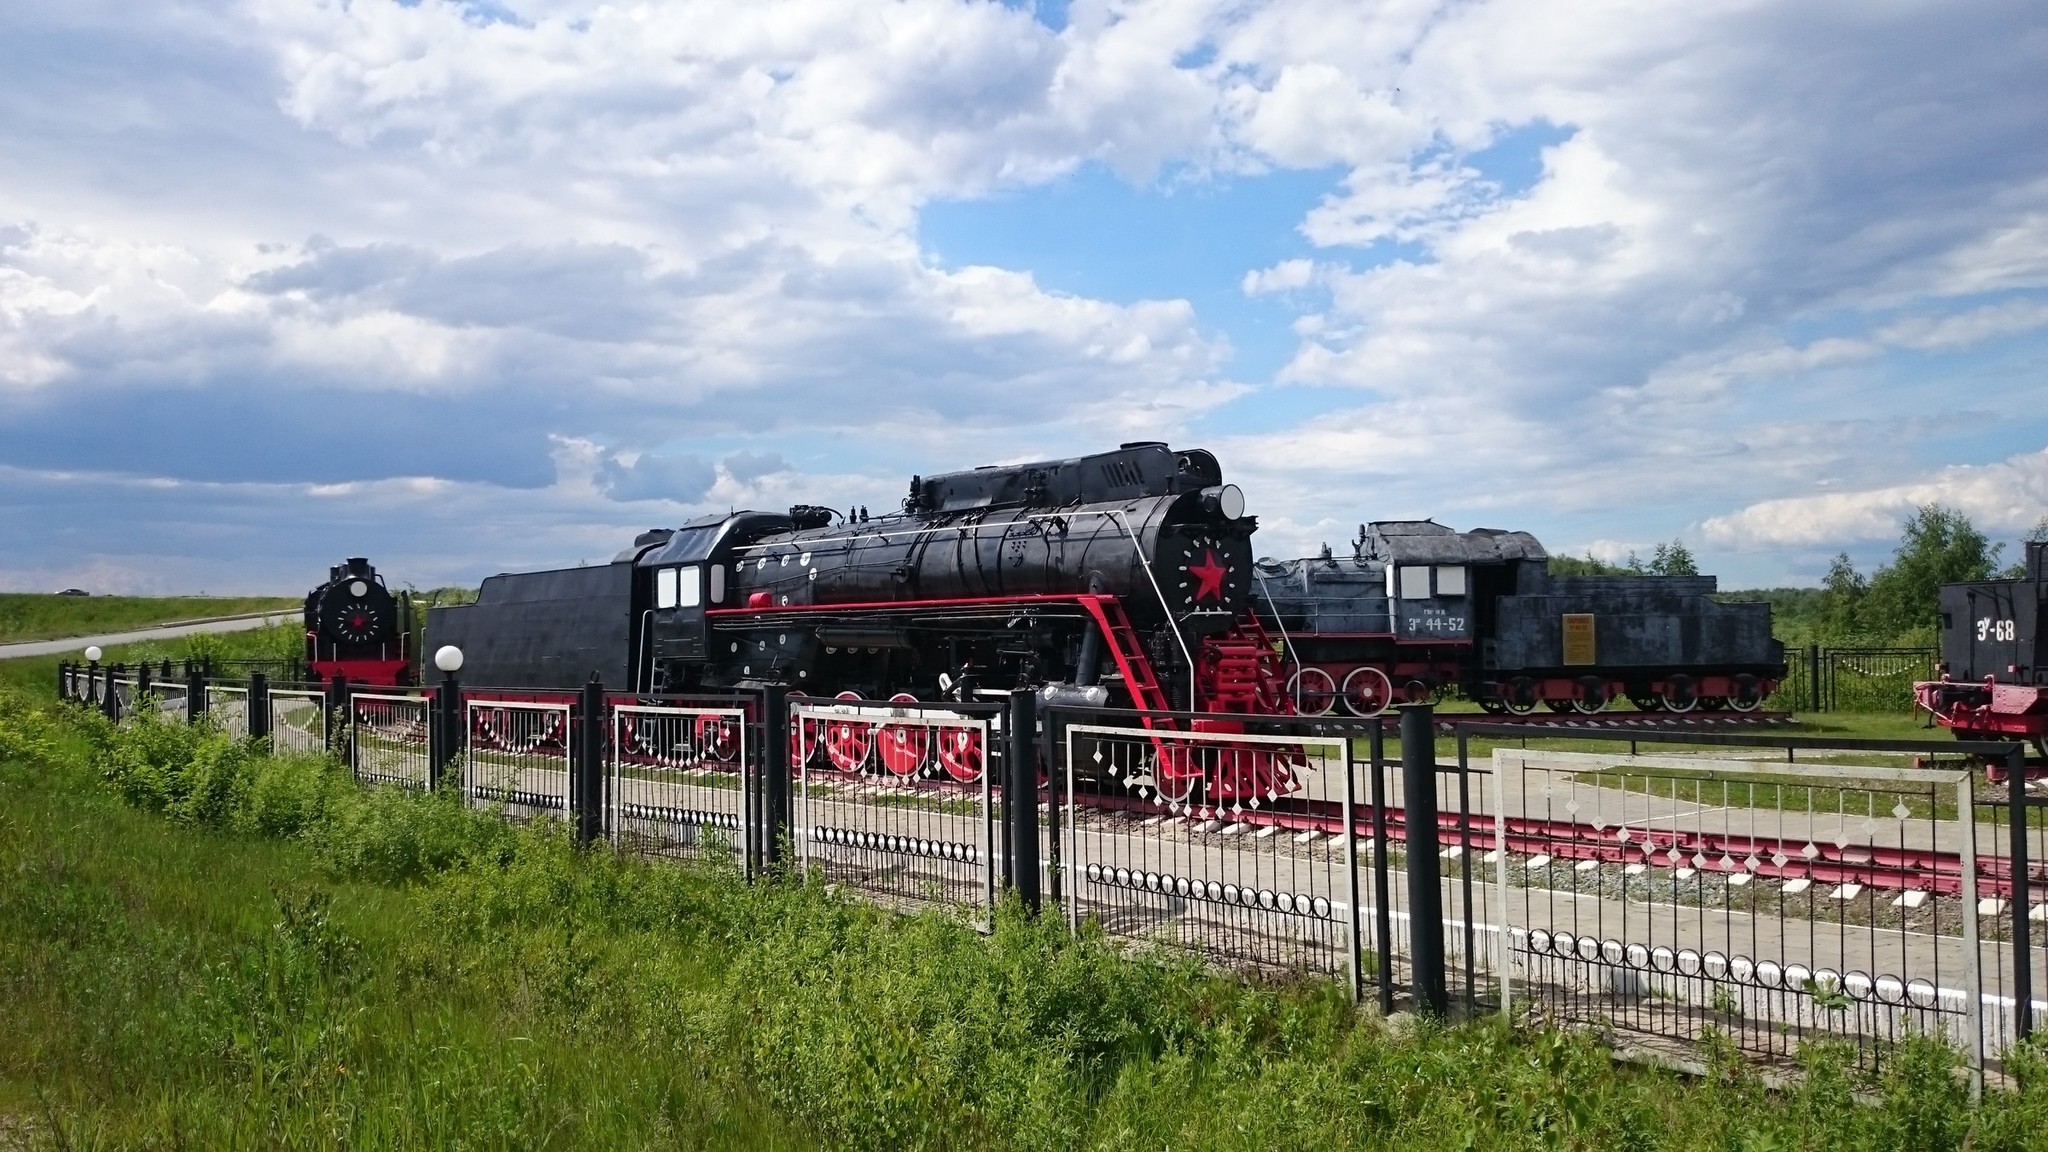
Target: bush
{"x": 26, "y": 736}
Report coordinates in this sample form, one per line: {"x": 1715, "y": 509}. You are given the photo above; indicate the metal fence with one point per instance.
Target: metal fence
{"x": 1239, "y": 849}
{"x": 228, "y": 705}
{"x": 1825, "y": 679}
{"x": 389, "y": 739}
{"x": 682, "y": 780}
{"x": 897, "y": 801}
{"x": 520, "y": 753}
{"x": 298, "y": 720}
{"x": 1769, "y": 901}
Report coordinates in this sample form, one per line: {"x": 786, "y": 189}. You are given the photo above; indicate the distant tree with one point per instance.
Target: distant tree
{"x": 1673, "y": 559}
{"x": 2038, "y": 534}
{"x": 1939, "y": 546}
{"x": 1842, "y": 595}
{"x": 1585, "y": 565}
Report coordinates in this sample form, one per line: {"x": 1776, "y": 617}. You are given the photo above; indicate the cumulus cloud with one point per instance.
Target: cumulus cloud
{"x": 2006, "y": 497}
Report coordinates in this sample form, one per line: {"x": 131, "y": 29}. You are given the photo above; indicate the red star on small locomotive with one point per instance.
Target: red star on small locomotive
{"x": 1210, "y": 574}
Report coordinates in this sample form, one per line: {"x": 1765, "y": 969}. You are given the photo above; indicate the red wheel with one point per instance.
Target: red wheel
{"x": 960, "y": 753}
{"x": 903, "y": 747}
{"x": 849, "y": 742}
{"x": 487, "y": 728}
{"x": 803, "y": 738}
{"x": 1178, "y": 767}
{"x": 1367, "y": 691}
{"x": 718, "y": 738}
{"x": 1313, "y": 691}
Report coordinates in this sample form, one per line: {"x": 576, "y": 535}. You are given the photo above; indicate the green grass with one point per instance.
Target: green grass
{"x": 202, "y": 946}
{"x": 32, "y": 616}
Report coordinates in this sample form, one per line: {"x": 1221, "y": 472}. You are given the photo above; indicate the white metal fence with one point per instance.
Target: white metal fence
{"x": 895, "y": 800}
{"x": 681, "y": 780}
{"x": 520, "y": 753}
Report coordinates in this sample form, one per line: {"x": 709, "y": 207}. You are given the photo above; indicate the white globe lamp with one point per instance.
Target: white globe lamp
{"x": 448, "y": 658}
{"x": 92, "y": 653}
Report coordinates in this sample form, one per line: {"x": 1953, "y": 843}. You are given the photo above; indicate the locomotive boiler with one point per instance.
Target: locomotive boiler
{"x": 356, "y": 629}
{"x": 1418, "y": 607}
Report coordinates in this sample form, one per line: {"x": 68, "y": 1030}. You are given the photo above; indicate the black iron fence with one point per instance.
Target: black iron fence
{"x": 1827, "y": 679}
{"x": 1662, "y": 884}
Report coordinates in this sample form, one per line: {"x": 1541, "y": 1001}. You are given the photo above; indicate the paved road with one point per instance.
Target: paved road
{"x": 75, "y": 644}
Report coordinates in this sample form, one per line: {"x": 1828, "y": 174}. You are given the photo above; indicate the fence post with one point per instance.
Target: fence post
{"x": 1021, "y": 791}
{"x": 337, "y": 710}
{"x": 1383, "y": 913}
{"x": 257, "y": 705}
{"x": 110, "y": 702}
{"x": 195, "y": 693}
{"x": 1425, "y": 894}
{"x": 775, "y": 769}
{"x": 1813, "y": 675}
{"x": 589, "y": 788}
{"x": 63, "y": 680}
{"x": 142, "y": 683}
{"x": 2022, "y": 895}
{"x": 443, "y": 729}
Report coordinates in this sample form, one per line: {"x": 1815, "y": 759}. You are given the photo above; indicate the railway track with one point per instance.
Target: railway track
{"x": 1934, "y": 871}
{"x": 1623, "y": 721}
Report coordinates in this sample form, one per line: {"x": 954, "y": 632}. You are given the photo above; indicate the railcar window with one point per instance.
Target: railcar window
{"x": 689, "y": 587}
{"x": 1415, "y": 582}
{"x": 1450, "y": 581}
{"x": 664, "y": 587}
{"x": 718, "y": 583}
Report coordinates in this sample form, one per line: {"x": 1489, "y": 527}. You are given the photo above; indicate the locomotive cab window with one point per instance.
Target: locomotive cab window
{"x": 1415, "y": 582}
{"x": 717, "y": 584}
{"x": 1450, "y": 581}
{"x": 677, "y": 587}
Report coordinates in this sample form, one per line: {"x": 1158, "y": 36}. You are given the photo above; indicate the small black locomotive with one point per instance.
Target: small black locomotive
{"x": 1124, "y": 575}
{"x": 1418, "y": 607}
{"x": 1993, "y": 679}
{"x": 356, "y": 629}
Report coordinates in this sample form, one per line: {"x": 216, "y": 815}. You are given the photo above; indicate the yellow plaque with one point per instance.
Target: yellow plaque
{"x": 1578, "y": 638}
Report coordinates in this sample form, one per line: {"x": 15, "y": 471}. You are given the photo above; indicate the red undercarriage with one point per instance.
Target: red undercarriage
{"x": 1988, "y": 711}
{"x": 376, "y": 673}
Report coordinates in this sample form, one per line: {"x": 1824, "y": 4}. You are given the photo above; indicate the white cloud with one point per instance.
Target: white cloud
{"x": 2007, "y": 497}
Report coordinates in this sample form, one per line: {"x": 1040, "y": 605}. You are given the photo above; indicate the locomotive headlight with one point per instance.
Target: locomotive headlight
{"x": 358, "y": 588}
{"x": 1226, "y": 501}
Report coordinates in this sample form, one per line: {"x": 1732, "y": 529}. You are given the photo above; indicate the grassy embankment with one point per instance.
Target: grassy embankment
{"x": 201, "y": 946}
{"x": 28, "y": 616}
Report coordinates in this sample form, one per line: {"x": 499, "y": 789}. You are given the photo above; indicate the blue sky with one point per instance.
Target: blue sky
{"x": 469, "y": 289}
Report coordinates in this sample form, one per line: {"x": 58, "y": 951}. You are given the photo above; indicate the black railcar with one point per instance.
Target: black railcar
{"x": 1418, "y": 607}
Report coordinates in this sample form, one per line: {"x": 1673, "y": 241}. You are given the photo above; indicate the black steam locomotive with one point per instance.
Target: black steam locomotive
{"x": 1123, "y": 576}
{"x": 356, "y": 629}
{"x": 1418, "y": 607}
{"x": 1993, "y": 678}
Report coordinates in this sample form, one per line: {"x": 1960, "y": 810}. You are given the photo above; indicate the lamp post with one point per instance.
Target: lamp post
{"x": 447, "y": 704}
